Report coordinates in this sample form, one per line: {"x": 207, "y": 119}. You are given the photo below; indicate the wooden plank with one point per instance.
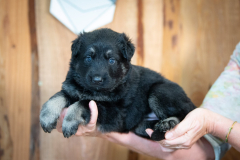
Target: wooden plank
{"x": 6, "y": 146}
{"x": 206, "y": 32}
{"x": 140, "y": 35}
{"x": 54, "y": 42}
{"x": 232, "y": 154}
{"x": 208, "y": 43}
{"x": 145, "y": 157}
{"x": 15, "y": 48}
{"x": 152, "y": 33}
{"x": 171, "y": 40}
{"x": 35, "y": 101}
{"x": 125, "y": 20}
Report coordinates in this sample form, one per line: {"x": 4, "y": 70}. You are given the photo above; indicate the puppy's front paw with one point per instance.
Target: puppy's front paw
{"x": 51, "y": 111}
{"x": 166, "y": 124}
{"x": 161, "y": 127}
{"x": 76, "y": 115}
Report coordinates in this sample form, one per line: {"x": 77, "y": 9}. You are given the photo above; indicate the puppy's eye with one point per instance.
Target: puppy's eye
{"x": 88, "y": 59}
{"x": 112, "y": 61}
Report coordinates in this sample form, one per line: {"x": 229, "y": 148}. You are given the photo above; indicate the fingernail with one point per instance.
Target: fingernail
{"x": 168, "y": 135}
{"x": 92, "y": 103}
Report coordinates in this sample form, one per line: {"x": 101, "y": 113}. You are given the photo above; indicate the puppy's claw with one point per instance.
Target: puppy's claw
{"x": 69, "y": 130}
{"x": 48, "y": 128}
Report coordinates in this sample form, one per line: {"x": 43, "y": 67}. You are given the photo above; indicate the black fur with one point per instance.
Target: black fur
{"x": 100, "y": 70}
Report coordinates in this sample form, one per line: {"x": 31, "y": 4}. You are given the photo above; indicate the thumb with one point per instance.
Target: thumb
{"x": 94, "y": 112}
{"x": 178, "y": 130}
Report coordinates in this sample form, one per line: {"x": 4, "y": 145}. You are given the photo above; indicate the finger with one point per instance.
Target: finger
{"x": 175, "y": 142}
{"x": 179, "y": 130}
{"x": 94, "y": 112}
{"x": 164, "y": 149}
{"x": 59, "y": 126}
{"x": 149, "y": 132}
{"x": 60, "y": 120}
{"x": 184, "y": 141}
{"x": 79, "y": 131}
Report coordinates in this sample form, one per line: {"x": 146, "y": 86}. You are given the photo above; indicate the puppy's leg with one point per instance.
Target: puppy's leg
{"x": 51, "y": 111}
{"x": 78, "y": 114}
{"x": 170, "y": 104}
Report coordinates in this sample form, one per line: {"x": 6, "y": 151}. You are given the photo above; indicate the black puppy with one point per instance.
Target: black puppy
{"x": 125, "y": 94}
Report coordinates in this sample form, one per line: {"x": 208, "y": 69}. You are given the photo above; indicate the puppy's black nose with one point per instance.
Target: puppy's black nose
{"x": 97, "y": 79}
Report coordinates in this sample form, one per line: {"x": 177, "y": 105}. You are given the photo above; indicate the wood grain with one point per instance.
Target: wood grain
{"x": 16, "y": 76}
{"x": 207, "y": 32}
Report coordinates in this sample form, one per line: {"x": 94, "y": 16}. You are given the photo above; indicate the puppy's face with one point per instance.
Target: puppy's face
{"x": 101, "y": 59}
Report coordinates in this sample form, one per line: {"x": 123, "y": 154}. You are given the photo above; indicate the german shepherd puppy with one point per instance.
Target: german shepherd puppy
{"x": 125, "y": 94}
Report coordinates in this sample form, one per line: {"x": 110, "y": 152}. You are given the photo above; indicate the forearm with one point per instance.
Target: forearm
{"x": 220, "y": 128}
{"x": 201, "y": 150}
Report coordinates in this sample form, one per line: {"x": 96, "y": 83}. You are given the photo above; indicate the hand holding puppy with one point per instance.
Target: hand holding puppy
{"x": 90, "y": 129}
{"x": 139, "y": 144}
{"x": 196, "y": 124}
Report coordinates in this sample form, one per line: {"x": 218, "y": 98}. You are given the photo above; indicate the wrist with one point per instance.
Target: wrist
{"x": 219, "y": 125}
{"x": 212, "y": 119}
{"x": 209, "y": 120}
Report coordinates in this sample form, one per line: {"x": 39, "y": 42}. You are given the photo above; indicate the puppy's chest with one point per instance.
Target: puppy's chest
{"x": 98, "y": 97}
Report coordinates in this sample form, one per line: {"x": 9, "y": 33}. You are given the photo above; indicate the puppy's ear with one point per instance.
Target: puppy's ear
{"x": 126, "y": 46}
{"x": 76, "y": 46}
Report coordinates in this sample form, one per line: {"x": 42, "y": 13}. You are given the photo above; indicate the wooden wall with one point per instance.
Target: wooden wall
{"x": 188, "y": 41}
{"x": 15, "y": 80}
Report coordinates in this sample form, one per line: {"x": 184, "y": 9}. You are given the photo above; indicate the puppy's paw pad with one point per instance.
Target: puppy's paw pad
{"x": 166, "y": 124}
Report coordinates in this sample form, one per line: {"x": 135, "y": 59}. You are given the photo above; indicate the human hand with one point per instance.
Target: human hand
{"x": 196, "y": 124}
{"x": 90, "y": 129}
